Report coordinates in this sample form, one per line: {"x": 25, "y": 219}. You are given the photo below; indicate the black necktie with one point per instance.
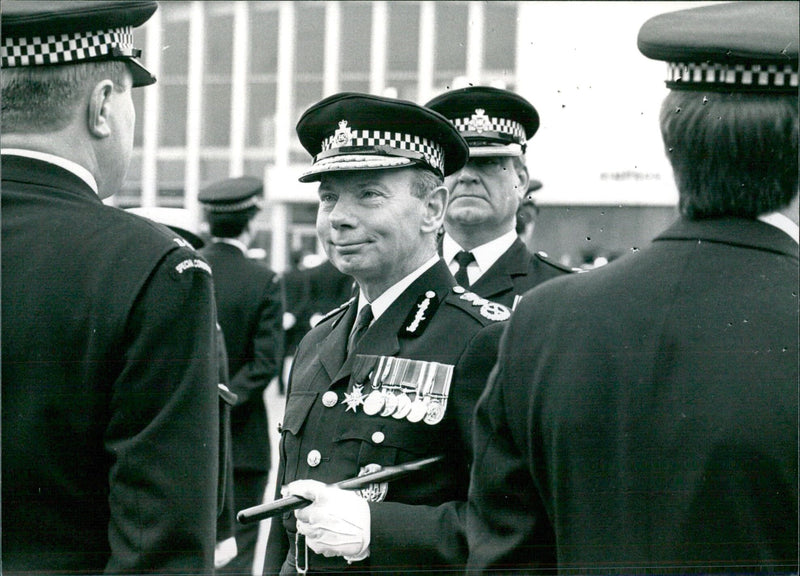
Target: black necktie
{"x": 464, "y": 259}
{"x": 362, "y": 323}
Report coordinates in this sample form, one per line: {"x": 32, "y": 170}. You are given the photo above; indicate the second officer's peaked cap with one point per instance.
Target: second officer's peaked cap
{"x": 731, "y": 46}
{"x": 38, "y": 33}
{"x": 494, "y": 122}
{"x": 354, "y": 131}
{"x": 232, "y": 195}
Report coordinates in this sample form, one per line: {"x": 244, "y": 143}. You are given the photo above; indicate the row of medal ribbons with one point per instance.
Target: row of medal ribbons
{"x": 399, "y": 388}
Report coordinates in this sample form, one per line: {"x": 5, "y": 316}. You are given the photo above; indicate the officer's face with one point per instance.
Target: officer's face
{"x": 486, "y": 193}
{"x": 373, "y": 227}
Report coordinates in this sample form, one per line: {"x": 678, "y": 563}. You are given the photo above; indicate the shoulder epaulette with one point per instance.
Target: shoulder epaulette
{"x": 543, "y": 257}
{"x": 341, "y": 308}
{"x": 479, "y": 306}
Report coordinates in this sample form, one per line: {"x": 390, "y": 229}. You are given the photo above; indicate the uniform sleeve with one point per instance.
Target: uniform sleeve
{"x": 255, "y": 375}
{"x": 162, "y": 437}
{"x": 431, "y": 536}
{"x": 507, "y": 527}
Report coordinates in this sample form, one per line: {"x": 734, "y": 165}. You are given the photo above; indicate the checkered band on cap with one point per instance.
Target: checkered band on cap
{"x": 480, "y": 124}
{"x": 742, "y": 76}
{"x": 67, "y": 48}
{"x": 226, "y": 207}
{"x": 346, "y": 141}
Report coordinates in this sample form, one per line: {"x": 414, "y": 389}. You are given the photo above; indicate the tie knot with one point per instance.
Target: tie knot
{"x": 464, "y": 258}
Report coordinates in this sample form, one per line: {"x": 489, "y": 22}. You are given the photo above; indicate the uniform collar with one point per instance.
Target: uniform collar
{"x": 382, "y": 302}
{"x": 485, "y": 254}
{"x": 782, "y": 222}
{"x": 232, "y": 242}
{"x": 67, "y": 165}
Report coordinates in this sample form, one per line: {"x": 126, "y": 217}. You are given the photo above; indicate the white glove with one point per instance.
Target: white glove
{"x": 337, "y": 523}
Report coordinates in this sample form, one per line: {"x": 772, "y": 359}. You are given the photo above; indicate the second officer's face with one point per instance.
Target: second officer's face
{"x": 372, "y": 226}
{"x": 486, "y": 193}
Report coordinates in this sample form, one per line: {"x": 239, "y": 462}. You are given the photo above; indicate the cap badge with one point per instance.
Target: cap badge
{"x": 343, "y": 136}
{"x": 479, "y": 121}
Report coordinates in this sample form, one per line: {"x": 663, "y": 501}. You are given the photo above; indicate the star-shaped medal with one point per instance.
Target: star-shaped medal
{"x": 354, "y": 399}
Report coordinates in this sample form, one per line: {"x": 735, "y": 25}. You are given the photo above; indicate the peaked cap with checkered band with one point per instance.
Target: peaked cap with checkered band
{"x": 731, "y": 47}
{"x": 494, "y": 122}
{"x": 354, "y": 131}
{"x": 37, "y": 33}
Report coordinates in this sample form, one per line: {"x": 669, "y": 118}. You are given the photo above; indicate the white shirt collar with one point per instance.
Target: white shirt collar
{"x": 382, "y": 302}
{"x": 232, "y": 241}
{"x": 68, "y": 165}
{"x": 485, "y": 255}
{"x": 782, "y": 222}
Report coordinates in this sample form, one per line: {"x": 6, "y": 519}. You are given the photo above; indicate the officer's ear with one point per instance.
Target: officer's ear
{"x": 523, "y": 176}
{"x": 100, "y": 109}
{"x": 435, "y": 206}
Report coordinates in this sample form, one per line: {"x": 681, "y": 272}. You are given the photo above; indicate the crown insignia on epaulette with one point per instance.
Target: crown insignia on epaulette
{"x": 342, "y": 136}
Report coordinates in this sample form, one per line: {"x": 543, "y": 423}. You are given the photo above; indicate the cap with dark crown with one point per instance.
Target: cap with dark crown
{"x": 232, "y": 195}
{"x": 732, "y": 46}
{"x": 494, "y": 122}
{"x": 36, "y": 33}
{"x": 353, "y": 131}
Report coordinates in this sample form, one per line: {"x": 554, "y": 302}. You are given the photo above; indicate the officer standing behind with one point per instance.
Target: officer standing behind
{"x": 656, "y": 429}
{"x": 250, "y": 313}
{"x": 481, "y": 245}
{"x": 419, "y": 353}
{"x": 109, "y": 373}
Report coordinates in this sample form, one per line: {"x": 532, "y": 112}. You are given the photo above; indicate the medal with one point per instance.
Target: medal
{"x": 375, "y": 399}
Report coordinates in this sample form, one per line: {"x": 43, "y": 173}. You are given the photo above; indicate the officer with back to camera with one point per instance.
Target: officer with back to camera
{"x": 109, "y": 372}
{"x": 392, "y": 375}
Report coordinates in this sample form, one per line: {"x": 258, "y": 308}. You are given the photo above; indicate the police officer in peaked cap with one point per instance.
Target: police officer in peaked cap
{"x": 109, "y": 372}
{"x": 250, "y": 310}
{"x": 480, "y": 242}
{"x": 391, "y": 376}
{"x": 643, "y": 418}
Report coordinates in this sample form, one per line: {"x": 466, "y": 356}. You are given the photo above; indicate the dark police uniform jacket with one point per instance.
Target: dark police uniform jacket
{"x": 109, "y": 385}
{"x": 651, "y": 419}
{"x": 420, "y": 522}
{"x": 250, "y": 313}
{"x": 514, "y": 273}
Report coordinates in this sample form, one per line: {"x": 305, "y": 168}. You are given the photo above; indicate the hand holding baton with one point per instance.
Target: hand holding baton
{"x": 262, "y": 511}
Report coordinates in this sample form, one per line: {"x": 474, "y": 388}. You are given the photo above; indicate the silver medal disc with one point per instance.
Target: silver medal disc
{"x": 374, "y": 403}
{"x": 403, "y": 407}
{"x": 390, "y": 404}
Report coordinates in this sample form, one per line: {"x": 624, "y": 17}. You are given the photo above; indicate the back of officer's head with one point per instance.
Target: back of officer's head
{"x": 730, "y": 121}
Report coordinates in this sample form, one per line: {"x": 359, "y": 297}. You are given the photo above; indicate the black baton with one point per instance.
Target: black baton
{"x": 262, "y": 511}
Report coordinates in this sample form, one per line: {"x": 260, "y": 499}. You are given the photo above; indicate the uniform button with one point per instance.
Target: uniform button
{"x": 459, "y": 289}
{"x": 329, "y": 399}
{"x": 378, "y": 437}
{"x": 314, "y": 458}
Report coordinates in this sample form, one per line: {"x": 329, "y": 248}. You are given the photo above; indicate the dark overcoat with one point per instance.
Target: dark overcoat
{"x": 250, "y": 312}
{"x": 109, "y": 385}
{"x": 420, "y": 522}
{"x": 644, "y": 415}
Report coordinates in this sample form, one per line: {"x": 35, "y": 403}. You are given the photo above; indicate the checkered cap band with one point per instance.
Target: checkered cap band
{"x": 67, "y": 48}
{"x": 225, "y": 207}
{"x": 489, "y": 124}
{"x": 756, "y": 76}
{"x": 430, "y": 151}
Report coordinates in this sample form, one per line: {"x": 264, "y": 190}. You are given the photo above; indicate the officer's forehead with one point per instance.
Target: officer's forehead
{"x": 361, "y": 178}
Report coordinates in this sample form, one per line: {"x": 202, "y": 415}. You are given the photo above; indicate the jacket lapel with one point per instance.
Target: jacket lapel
{"x": 499, "y": 278}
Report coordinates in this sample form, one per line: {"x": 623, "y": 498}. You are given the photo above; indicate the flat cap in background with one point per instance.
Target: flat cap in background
{"x": 39, "y": 33}
{"x": 494, "y": 122}
{"x": 731, "y": 46}
{"x": 353, "y": 131}
{"x": 232, "y": 195}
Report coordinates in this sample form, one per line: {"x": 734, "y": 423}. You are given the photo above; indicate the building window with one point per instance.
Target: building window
{"x": 451, "y": 35}
{"x": 500, "y": 38}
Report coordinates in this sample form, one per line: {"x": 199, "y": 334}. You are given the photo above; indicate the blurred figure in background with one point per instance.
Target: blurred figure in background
{"x": 250, "y": 308}
{"x": 480, "y": 244}
{"x": 643, "y": 417}
{"x": 109, "y": 367}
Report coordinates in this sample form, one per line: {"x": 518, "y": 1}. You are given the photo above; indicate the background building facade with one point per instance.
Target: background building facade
{"x": 234, "y": 77}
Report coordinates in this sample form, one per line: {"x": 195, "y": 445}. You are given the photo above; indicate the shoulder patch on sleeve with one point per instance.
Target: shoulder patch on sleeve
{"x": 185, "y": 262}
{"x": 544, "y": 258}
